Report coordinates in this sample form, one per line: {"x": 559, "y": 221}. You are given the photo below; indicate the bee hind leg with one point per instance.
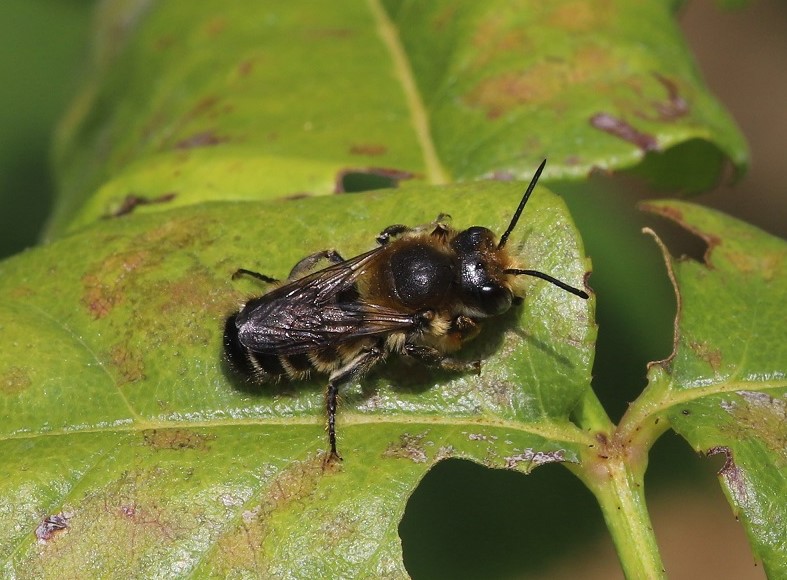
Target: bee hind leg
{"x": 433, "y": 358}
{"x": 356, "y": 368}
{"x": 262, "y": 277}
{"x": 391, "y": 232}
{"x": 309, "y": 262}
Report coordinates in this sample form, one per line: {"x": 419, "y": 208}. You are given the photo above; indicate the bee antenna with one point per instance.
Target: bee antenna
{"x": 518, "y": 212}
{"x": 548, "y": 278}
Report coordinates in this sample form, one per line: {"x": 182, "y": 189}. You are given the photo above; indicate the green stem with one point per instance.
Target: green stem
{"x": 616, "y": 479}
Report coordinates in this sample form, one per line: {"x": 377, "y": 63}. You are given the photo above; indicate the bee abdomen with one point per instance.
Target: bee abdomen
{"x": 259, "y": 367}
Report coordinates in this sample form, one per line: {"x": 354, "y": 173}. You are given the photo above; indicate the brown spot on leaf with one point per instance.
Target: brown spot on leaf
{"x": 408, "y": 447}
{"x": 765, "y": 264}
{"x": 241, "y": 548}
{"x": 758, "y": 414}
{"x": 215, "y": 27}
{"x": 542, "y": 83}
{"x": 705, "y": 352}
{"x": 132, "y": 201}
{"x": 98, "y": 297}
{"x": 201, "y": 139}
{"x": 675, "y": 106}
{"x": 14, "y": 380}
{"x": 21, "y": 292}
{"x": 499, "y": 94}
{"x": 203, "y": 106}
{"x": 246, "y": 67}
{"x": 577, "y": 16}
{"x": 623, "y": 130}
{"x": 104, "y": 285}
{"x": 494, "y": 37}
{"x": 176, "y": 439}
{"x": 162, "y": 43}
{"x": 368, "y": 149}
{"x": 127, "y": 363}
{"x": 732, "y": 475}
{"x": 52, "y": 525}
{"x": 445, "y": 16}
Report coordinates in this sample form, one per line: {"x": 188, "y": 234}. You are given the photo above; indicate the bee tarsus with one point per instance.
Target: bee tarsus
{"x": 262, "y": 277}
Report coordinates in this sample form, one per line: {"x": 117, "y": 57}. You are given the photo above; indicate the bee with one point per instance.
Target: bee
{"x": 421, "y": 293}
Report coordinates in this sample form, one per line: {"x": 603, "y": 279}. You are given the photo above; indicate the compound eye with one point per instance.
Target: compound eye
{"x": 473, "y": 239}
{"x": 481, "y": 291}
{"x": 495, "y": 299}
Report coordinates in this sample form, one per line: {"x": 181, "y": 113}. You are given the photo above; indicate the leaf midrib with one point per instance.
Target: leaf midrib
{"x": 435, "y": 171}
{"x": 565, "y": 432}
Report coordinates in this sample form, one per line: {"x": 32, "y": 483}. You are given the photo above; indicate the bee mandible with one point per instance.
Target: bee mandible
{"x": 421, "y": 294}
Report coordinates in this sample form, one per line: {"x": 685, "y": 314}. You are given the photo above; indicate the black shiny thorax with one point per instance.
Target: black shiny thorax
{"x": 438, "y": 268}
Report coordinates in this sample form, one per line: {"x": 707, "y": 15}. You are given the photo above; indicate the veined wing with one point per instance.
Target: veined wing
{"x": 307, "y": 314}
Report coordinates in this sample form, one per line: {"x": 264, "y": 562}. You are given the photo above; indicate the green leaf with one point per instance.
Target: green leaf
{"x": 253, "y": 101}
{"x": 127, "y": 445}
{"x": 725, "y": 386}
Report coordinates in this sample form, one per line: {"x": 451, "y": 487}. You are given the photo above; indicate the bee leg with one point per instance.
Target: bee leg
{"x": 433, "y": 358}
{"x": 464, "y": 328}
{"x": 357, "y": 367}
{"x": 309, "y": 262}
{"x": 391, "y": 231}
{"x": 244, "y": 272}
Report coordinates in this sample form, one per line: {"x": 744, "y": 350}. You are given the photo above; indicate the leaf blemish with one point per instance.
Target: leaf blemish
{"x": 128, "y": 363}
{"x": 533, "y": 458}
{"x": 175, "y": 439}
{"x": 201, "y": 139}
{"x": 619, "y": 128}
{"x": 731, "y": 474}
{"x": 705, "y": 352}
{"x": 243, "y": 546}
{"x": 408, "y": 447}
{"x": 14, "y": 380}
{"x": 52, "y": 525}
{"x": 132, "y": 201}
{"x": 368, "y": 149}
{"x": 760, "y": 413}
{"x": 675, "y": 106}
{"x": 104, "y": 286}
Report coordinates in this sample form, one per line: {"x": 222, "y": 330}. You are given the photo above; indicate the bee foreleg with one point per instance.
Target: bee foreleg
{"x": 356, "y": 368}
{"x": 309, "y": 262}
{"x": 433, "y": 358}
{"x": 244, "y": 272}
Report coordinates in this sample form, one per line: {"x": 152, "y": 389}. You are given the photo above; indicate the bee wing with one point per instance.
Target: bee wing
{"x": 305, "y": 315}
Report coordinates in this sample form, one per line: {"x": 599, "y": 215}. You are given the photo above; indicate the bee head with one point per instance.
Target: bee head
{"x": 481, "y": 278}
{"x": 483, "y": 239}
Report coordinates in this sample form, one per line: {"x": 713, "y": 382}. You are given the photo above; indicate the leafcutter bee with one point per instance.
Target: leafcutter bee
{"x": 421, "y": 293}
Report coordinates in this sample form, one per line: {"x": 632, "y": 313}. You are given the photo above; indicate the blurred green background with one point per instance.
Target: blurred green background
{"x": 462, "y": 522}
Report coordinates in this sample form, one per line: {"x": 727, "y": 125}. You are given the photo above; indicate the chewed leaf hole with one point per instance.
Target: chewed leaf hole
{"x": 358, "y": 180}
{"x": 681, "y": 242}
{"x": 469, "y": 521}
